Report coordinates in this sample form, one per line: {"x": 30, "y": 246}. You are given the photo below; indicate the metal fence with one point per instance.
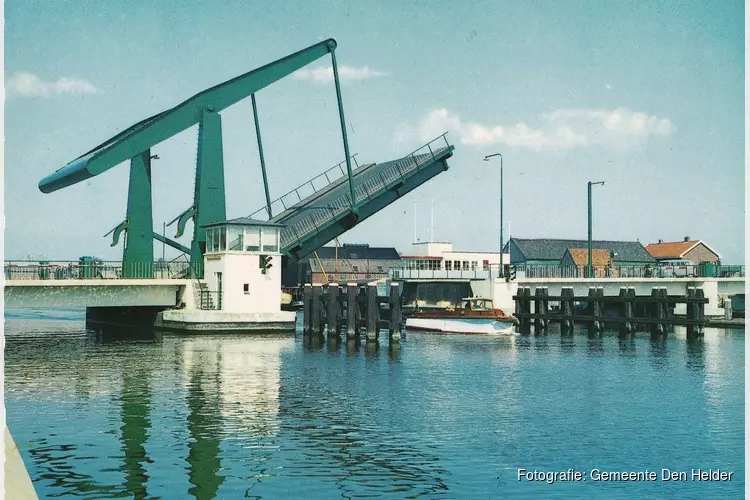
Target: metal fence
{"x": 65, "y": 270}
{"x": 388, "y": 174}
{"x": 530, "y": 271}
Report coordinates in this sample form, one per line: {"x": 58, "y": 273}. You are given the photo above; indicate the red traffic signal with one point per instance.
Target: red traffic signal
{"x": 267, "y": 263}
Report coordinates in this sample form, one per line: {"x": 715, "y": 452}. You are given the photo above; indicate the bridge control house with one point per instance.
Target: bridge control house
{"x": 241, "y": 287}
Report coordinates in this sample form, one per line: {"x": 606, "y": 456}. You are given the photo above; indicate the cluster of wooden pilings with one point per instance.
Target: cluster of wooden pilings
{"x": 654, "y": 311}
{"x": 353, "y": 307}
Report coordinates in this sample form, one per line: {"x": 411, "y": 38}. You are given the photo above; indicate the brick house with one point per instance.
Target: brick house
{"x": 687, "y": 249}
{"x": 600, "y": 259}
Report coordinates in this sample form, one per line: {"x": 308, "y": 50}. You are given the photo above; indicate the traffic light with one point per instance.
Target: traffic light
{"x": 265, "y": 263}
{"x": 511, "y": 274}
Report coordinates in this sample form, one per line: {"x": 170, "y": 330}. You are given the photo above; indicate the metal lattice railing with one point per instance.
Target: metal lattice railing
{"x": 305, "y": 190}
{"x": 97, "y": 269}
{"x": 366, "y": 189}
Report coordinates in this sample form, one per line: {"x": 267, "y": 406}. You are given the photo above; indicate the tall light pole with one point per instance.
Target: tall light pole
{"x": 589, "y": 268}
{"x": 487, "y": 158}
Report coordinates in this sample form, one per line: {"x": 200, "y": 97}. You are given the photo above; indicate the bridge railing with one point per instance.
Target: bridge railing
{"x": 97, "y": 269}
{"x": 389, "y": 174}
{"x": 547, "y": 271}
{"x": 305, "y": 190}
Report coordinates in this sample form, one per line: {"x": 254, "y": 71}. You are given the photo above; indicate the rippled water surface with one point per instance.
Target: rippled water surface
{"x": 139, "y": 415}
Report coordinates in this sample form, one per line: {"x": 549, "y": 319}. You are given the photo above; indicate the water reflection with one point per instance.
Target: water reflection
{"x": 135, "y": 402}
{"x": 204, "y": 425}
{"x": 626, "y": 347}
{"x": 658, "y": 352}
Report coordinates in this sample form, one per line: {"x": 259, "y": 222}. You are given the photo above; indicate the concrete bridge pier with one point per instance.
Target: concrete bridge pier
{"x": 137, "y": 317}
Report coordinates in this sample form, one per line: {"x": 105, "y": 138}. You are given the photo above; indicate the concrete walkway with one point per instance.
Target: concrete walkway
{"x": 17, "y": 481}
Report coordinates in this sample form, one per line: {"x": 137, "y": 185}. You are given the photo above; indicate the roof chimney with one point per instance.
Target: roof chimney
{"x": 687, "y": 238}
{"x": 661, "y": 240}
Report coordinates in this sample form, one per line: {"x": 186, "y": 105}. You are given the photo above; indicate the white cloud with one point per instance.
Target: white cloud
{"x": 324, "y": 74}
{"x": 26, "y": 84}
{"x": 559, "y": 129}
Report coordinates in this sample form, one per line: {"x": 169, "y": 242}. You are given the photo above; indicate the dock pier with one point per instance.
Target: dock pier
{"x": 654, "y": 311}
{"x": 327, "y": 311}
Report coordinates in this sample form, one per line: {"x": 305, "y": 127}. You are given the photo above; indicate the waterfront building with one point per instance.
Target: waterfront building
{"x": 440, "y": 256}
{"x": 350, "y": 262}
{"x": 601, "y": 259}
{"x": 687, "y": 249}
{"x": 550, "y": 252}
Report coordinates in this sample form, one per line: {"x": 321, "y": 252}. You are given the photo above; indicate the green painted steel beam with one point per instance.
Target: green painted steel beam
{"x": 151, "y": 131}
{"x": 262, "y": 160}
{"x": 209, "y": 197}
{"x": 138, "y": 253}
{"x": 343, "y": 132}
{"x": 171, "y": 243}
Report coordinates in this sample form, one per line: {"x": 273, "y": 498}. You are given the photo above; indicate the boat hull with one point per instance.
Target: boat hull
{"x": 468, "y": 326}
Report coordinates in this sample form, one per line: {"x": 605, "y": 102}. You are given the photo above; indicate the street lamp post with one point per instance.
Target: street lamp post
{"x": 589, "y": 267}
{"x": 487, "y": 158}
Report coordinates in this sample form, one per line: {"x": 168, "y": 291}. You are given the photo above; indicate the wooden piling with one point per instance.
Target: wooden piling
{"x": 525, "y": 322}
{"x": 351, "y": 310}
{"x": 316, "y": 309}
{"x": 306, "y": 308}
{"x": 690, "y": 311}
{"x": 566, "y": 307}
{"x": 625, "y": 327}
{"x": 334, "y": 310}
{"x": 701, "y": 311}
{"x": 541, "y": 308}
{"x": 373, "y": 312}
{"x": 395, "y": 305}
{"x": 538, "y": 309}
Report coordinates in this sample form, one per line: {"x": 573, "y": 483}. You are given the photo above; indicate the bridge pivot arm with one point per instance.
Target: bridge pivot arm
{"x": 182, "y": 219}
{"x": 162, "y": 126}
{"x": 115, "y": 232}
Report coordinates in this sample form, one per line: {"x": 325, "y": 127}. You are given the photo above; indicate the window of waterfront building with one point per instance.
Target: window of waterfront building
{"x": 252, "y": 239}
{"x": 466, "y": 265}
{"x": 473, "y": 265}
{"x": 448, "y": 265}
{"x": 268, "y": 239}
{"x": 209, "y": 240}
{"x": 222, "y": 238}
{"x": 457, "y": 265}
{"x": 235, "y": 238}
{"x": 485, "y": 265}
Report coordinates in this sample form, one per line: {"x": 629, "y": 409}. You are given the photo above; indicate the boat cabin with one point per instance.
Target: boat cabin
{"x": 475, "y": 304}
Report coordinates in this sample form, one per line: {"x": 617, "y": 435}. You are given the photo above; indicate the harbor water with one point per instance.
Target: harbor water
{"x": 138, "y": 414}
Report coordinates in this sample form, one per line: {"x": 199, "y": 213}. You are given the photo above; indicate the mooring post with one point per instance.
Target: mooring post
{"x": 657, "y": 328}
{"x": 317, "y": 306}
{"x": 306, "y": 308}
{"x": 395, "y": 305}
{"x": 566, "y": 305}
{"x": 727, "y": 308}
{"x": 334, "y": 312}
{"x": 701, "y": 311}
{"x": 593, "y": 310}
{"x": 625, "y": 326}
{"x": 373, "y": 312}
{"x": 524, "y": 323}
{"x": 690, "y": 311}
{"x": 545, "y": 308}
{"x": 351, "y": 310}
{"x": 538, "y": 293}
{"x": 664, "y": 304}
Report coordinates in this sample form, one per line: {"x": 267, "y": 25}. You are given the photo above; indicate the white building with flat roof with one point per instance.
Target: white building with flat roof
{"x": 439, "y": 260}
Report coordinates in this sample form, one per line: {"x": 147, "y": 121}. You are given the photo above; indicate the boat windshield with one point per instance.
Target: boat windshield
{"x": 475, "y": 304}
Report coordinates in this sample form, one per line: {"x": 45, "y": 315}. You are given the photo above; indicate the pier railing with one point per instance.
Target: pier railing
{"x": 96, "y": 269}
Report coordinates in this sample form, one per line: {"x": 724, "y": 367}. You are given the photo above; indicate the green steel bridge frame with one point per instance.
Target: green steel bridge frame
{"x": 209, "y": 203}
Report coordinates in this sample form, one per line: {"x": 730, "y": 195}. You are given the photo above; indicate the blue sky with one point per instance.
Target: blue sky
{"x": 647, "y": 96}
